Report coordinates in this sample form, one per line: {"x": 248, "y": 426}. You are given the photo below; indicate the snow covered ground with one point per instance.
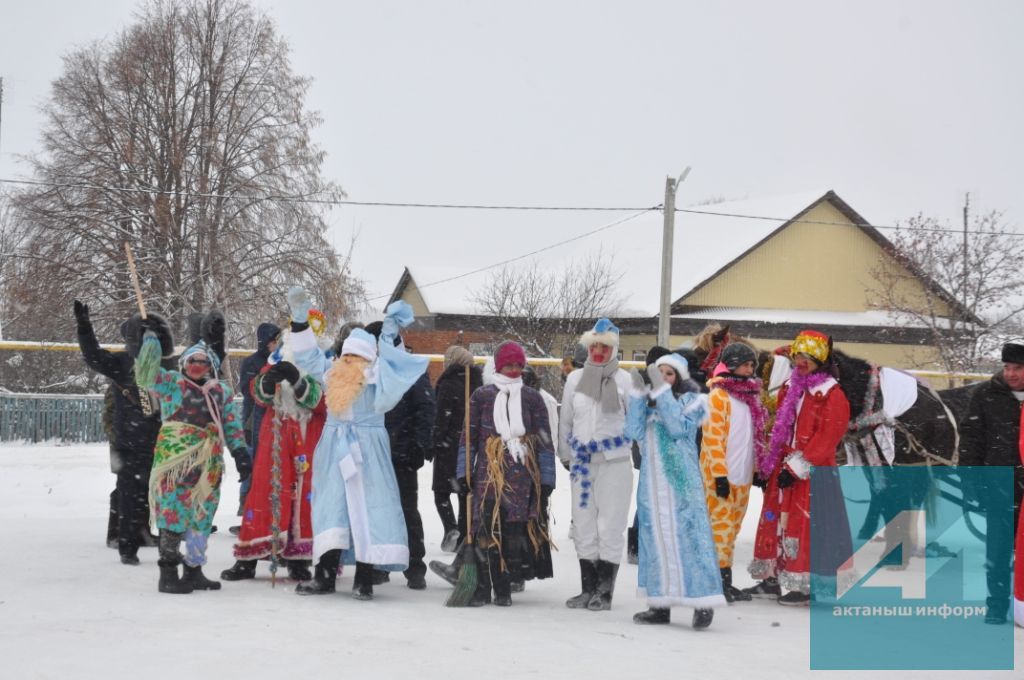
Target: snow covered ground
{"x": 69, "y": 609}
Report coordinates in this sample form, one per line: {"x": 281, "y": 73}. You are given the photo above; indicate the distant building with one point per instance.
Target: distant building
{"x": 767, "y": 279}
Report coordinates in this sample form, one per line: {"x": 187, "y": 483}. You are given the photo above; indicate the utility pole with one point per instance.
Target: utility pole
{"x": 665, "y": 309}
{"x": 1, "y": 114}
{"x": 967, "y": 203}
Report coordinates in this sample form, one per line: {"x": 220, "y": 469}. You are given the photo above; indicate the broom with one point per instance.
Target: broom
{"x": 465, "y": 586}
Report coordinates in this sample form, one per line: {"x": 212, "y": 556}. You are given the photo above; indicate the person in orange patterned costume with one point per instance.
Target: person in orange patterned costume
{"x": 733, "y": 441}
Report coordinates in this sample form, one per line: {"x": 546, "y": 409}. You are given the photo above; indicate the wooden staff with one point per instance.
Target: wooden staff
{"x": 135, "y": 279}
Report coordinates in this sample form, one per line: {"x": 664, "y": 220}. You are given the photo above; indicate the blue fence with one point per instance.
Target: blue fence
{"x": 46, "y": 417}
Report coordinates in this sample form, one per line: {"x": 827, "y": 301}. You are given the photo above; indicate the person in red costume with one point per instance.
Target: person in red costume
{"x": 810, "y": 423}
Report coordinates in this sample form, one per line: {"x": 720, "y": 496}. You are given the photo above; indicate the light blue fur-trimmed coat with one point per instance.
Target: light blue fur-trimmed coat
{"x": 356, "y": 505}
{"x": 678, "y": 565}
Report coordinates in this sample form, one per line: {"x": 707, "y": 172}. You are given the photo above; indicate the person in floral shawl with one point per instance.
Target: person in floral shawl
{"x": 199, "y": 422}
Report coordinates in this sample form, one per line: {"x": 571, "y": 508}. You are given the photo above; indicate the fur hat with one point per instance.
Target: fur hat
{"x": 457, "y": 355}
{"x": 655, "y": 353}
{"x": 579, "y": 356}
{"x": 677, "y": 363}
{"x": 1013, "y": 353}
{"x": 361, "y": 343}
{"x": 604, "y": 332}
{"x": 736, "y": 354}
{"x": 508, "y": 353}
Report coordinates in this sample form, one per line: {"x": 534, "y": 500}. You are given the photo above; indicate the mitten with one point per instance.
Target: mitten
{"x": 760, "y": 482}
{"x": 785, "y": 479}
{"x": 722, "y": 487}
{"x": 638, "y": 382}
{"x": 82, "y": 316}
{"x": 655, "y": 376}
{"x": 299, "y": 304}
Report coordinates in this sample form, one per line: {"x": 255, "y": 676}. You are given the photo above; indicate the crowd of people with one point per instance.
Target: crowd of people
{"x": 329, "y": 438}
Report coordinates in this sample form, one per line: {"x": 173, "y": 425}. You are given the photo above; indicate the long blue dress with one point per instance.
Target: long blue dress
{"x": 678, "y": 564}
{"x": 356, "y": 505}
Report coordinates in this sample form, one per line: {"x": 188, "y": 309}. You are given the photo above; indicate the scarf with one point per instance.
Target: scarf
{"x": 785, "y": 417}
{"x": 508, "y": 415}
{"x": 598, "y": 383}
{"x": 748, "y": 390}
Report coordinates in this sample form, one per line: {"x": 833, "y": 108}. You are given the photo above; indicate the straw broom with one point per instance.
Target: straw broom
{"x": 465, "y": 586}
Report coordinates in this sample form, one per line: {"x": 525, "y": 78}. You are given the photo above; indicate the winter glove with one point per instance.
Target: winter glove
{"x": 279, "y": 372}
{"x": 299, "y": 304}
{"x": 459, "y": 486}
{"x": 638, "y": 382}
{"x": 243, "y": 463}
{"x": 785, "y": 479}
{"x": 760, "y": 482}
{"x": 545, "y": 494}
{"x": 82, "y": 316}
{"x": 655, "y": 376}
{"x": 722, "y": 487}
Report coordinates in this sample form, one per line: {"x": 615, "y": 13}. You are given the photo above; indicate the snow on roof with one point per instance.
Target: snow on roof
{"x": 703, "y": 245}
{"x": 875, "y": 318}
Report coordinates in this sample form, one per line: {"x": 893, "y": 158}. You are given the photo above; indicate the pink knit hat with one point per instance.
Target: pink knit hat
{"x": 508, "y": 353}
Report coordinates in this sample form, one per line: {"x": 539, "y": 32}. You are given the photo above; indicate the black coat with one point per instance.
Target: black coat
{"x": 252, "y": 413}
{"x": 990, "y": 432}
{"x": 136, "y": 418}
{"x": 409, "y": 423}
{"x": 451, "y": 401}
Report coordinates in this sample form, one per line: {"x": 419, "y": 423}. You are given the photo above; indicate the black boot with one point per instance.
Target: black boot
{"x": 588, "y": 579}
{"x": 606, "y": 573}
{"x": 169, "y": 580}
{"x": 363, "y": 587}
{"x": 482, "y": 595}
{"x": 702, "y": 618}
{"x": 326, "y": 573}
{"x": 633, "y": 545}
{"x": 654, "y": 615}
{"x": 194, "y": 576}
{"x": 241, "y": 571}
{"x": 449, "y": 572}
{"x": 298, "y": 570}
{"x": 112, "y": 522}
{"x": 170, "y": 558}
{"x": 500, "y": 579}
{"x": 767, "y": 589}
{"x": 733, "y": 594}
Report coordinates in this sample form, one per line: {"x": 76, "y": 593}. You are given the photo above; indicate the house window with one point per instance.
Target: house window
{"x": 639, "y": 355}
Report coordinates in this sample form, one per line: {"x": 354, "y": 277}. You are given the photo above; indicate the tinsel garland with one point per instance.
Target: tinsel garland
{"x": 785, "y": 417}
{"x": 275, "y": 493}
{"x": 748, "y": 390}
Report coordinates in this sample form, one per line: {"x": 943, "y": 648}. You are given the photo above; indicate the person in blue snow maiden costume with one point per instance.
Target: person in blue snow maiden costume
{"x": 678, "y": 565}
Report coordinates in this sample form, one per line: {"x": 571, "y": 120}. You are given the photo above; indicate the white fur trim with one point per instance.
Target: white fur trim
{"x": 607, "y": 338}
{"x": 798, "y": 465}
{"x": 301, "y": 341}
{"x": 335, "y": 538}
{"x": 676, "y": 362}
{"x": 706, "y": 602}
{"x": 387, "y": 554}
{"x": 655, "y": 393}
{"x": 634, "y": 392}
{"x": 359, "y": 347}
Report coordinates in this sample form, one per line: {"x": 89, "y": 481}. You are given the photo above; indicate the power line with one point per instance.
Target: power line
{"x": 322, "y": 201}
{"x": 472, "y": 206}
{"x": 525, "y": 255}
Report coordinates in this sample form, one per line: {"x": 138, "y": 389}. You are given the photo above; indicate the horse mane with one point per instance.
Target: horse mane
{"x": 854, "y": 375}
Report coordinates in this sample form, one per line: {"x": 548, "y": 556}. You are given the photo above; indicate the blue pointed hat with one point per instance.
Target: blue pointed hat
{"x": 604, "y": 331}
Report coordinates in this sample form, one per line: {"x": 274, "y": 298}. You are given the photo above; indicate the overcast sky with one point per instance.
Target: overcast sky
{"x": 901, "y": 107}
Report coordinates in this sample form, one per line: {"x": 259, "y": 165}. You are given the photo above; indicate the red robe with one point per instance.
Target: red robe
{"x": 782, "y": 546}
{"x": 296, "y": 465}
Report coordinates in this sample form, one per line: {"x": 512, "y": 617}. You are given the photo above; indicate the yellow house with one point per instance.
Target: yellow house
{"x": 767, "y": 268}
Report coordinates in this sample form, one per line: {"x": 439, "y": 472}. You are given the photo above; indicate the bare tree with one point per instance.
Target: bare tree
{"x": 546, "y": 310}
{"x": 973, "y": 293}
{"x": 186, "y": 135}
